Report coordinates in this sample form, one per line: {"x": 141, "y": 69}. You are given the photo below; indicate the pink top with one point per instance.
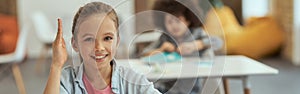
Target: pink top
{"x": 91, "y": 90}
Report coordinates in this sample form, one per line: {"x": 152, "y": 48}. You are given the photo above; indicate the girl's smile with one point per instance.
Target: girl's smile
{"x": 99, "y": 57}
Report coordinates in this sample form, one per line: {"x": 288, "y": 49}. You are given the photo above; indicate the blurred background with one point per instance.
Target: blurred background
{"x": 265, "y": 30}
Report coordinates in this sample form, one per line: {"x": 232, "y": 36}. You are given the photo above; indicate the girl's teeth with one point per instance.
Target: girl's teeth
{"x": 100, "y": 57}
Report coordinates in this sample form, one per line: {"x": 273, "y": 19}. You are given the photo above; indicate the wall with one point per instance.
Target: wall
{"x": 256, "y": 8}
{"x": 64, "y": 9}
{"x": 296, "y": 37}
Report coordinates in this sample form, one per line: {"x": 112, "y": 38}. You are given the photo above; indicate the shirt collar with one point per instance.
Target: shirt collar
{"x": 114, "y": 78}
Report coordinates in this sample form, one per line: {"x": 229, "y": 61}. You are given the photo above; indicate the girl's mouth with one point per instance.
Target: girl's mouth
{"x": 99, "y": 58}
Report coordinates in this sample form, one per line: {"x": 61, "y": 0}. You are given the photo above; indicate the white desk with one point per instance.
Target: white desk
{"x": 223, "y": 66}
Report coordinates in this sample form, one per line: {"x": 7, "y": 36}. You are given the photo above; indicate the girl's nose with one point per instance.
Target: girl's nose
{"x": 99, "y": 46}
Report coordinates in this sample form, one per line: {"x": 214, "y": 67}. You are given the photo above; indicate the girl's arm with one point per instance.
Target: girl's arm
{"x": 53, "y": 83}
{"x": 59, "y": 58}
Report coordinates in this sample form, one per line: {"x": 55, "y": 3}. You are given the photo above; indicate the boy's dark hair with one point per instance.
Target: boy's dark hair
{"x": 176, "y": 9}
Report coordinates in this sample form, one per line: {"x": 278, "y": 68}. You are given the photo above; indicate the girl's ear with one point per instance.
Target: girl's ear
{"x": 74, "y": 44}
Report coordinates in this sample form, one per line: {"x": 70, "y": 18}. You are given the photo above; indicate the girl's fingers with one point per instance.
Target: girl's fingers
{"x": 59, "y": 41}
{"x": 59, "y": 30}
{"x": 63, "y": 43}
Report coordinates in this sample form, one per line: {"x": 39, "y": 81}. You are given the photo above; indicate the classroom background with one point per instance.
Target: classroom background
{"x": 264, "y": 30}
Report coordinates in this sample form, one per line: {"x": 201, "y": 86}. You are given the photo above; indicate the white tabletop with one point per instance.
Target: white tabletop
{"x": 223, "y": 66}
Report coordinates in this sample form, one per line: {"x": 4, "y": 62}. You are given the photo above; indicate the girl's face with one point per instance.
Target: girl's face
{"x": 97, "y": 40}
{"x": 176, "y": 26}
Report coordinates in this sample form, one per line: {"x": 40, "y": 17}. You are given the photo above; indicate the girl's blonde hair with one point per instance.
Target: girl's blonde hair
{"x": 92, "y": 9}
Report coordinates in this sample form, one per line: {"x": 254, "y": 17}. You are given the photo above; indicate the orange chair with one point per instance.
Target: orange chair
{"x": 17, "y": 54}
{"x": 259, "y": 37}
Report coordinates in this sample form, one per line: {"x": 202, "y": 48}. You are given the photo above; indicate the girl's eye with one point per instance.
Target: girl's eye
{"x": 108, "y": 38}
{"x": 89, "y": 39}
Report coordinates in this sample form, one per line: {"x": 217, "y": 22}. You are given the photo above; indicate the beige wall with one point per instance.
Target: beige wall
{"x": 64, "y": 9}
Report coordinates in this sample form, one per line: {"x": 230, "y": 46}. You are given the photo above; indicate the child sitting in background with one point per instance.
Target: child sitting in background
{"x": 182, "y": 30}
{"x": 182, "y": 34}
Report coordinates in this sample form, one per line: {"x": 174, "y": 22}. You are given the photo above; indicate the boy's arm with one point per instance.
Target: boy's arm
{"x": 199, "y": 44}
{"x": 190, "y": 47}
{"x": 165, "y": 47}
{"x": 213, "y": 42}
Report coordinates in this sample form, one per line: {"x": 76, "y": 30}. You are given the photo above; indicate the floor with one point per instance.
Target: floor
{"x": 286, "y": 82}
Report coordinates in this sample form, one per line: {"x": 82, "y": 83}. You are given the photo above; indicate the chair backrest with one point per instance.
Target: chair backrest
{"x": 21, "y": 44}
{"x": 19, "y": 53}
{"x": 45, "y": 32}
{"x": 8, "y": 33}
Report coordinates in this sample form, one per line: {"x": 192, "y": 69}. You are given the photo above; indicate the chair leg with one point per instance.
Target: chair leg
{"x": 18, "y": 78}
{"x": 41, "y": 59}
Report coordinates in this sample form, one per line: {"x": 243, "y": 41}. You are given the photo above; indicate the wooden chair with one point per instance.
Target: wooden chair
{"x": 16, "y": 57}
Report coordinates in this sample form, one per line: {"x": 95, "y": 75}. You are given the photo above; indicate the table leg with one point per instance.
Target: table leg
{"x": 246, "y": 84}
{"x": 226, "y": 85}
{"x": 213, "y": 86}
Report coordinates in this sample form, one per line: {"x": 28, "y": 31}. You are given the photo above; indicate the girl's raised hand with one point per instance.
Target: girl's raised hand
{"x": 59, "y": 48}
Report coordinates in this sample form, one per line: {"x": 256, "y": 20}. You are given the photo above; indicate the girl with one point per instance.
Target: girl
{"x": 95, "y": 37}
{"x": 183, "y": 34}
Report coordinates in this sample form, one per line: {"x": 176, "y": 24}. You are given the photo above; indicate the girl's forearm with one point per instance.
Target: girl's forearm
{"x": 53, "y": 83}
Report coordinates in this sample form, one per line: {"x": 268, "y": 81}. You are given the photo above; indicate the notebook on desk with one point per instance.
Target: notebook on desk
{"x": 165, "y": 57}
{"x": 173, "y": 57}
